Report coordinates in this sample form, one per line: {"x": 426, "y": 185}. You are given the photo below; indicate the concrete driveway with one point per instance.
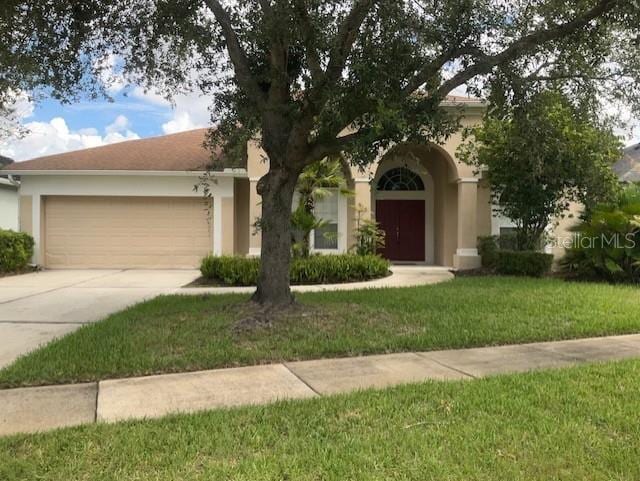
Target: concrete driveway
{"x": 38, "y": 307}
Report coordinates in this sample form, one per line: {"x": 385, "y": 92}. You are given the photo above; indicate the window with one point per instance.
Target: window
{"x": 506, "y": 231}
{"x": 400, "y": 178}
{"x": 326, "y": 208}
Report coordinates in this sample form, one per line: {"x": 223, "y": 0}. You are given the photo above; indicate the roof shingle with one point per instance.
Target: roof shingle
{"x": 183, "y": 151}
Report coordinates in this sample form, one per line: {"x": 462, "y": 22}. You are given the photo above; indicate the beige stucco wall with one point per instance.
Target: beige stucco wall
{"x": 228, "y": 225}
{"x": 484, "y": 209}
{"x": 26, "y": 214}
{"x": 9, "y": 206}
{"x": 450, "y": 226}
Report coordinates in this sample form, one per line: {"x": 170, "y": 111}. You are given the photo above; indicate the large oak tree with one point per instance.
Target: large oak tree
{"x": 313, "y": 78}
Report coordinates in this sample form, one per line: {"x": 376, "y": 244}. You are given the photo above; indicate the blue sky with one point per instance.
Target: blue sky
{"x": 53, "y": 127}
{"x": 145, "y": 119}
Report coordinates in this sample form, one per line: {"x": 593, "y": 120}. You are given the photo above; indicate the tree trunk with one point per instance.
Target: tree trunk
{"x": 276, "y": 188}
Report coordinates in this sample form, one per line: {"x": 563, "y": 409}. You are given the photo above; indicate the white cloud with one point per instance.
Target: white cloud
{"x": 55, "y": 136}
{"x": 188, "y": 111}
{"x": 120, "y": 124}
{"x": 181, "y": 121}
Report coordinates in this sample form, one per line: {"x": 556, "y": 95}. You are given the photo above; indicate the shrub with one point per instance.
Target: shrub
{"x": 329, "y": 269}
{"x": 607, "y": 245}
{"x": 369, "y": 238}
{"x": 369, "y": 235}
{"x": 317, "y": 269}
{"x": 16, "y": 249}
{"x": 488, "y": 250}
{"x": 522, "y": 263}
{"x": 231, "y": 270}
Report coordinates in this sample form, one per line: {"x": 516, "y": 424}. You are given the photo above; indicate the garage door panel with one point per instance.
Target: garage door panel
{"x": 155, "y": 232}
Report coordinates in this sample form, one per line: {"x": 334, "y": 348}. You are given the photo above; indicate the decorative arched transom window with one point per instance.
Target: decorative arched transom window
{"x": 400, "y": 178}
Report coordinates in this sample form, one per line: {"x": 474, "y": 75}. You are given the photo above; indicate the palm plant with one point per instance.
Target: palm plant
{"x": 607, "y": 244}
{"x": 316, "y": 182}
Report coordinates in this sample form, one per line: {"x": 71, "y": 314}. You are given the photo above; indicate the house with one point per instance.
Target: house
{"x": 133, "y": 204}
{"x": 628, "y": 168}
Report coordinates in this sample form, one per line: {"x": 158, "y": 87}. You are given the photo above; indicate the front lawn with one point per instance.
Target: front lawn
{"x": 572, "y": 424}
{"x": 183, "y": 333}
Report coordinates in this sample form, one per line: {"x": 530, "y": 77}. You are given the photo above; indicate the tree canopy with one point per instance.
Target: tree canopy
{"x": 546, "y": 154}
{"x": 323, "y": 66}
{"x": 316, "y": 78}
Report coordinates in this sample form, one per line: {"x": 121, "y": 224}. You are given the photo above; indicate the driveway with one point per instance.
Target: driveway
{"x": 38, "y": 307}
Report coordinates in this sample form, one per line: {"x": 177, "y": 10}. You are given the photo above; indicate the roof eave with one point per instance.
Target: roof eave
{"x": 242, "y": 173}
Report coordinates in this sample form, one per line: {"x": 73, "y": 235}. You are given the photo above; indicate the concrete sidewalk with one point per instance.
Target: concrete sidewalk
{"x": 43, "y": 408}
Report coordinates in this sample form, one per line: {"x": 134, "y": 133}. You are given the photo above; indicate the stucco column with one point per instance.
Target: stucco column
{"x": 466, "y": 256}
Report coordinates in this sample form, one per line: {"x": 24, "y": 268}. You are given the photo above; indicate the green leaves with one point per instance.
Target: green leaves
{"x": 607, "y": 246}
{"x": 545, "y": 154}
{"x": 16, "y": 250}
{"x": 317, "y": 269}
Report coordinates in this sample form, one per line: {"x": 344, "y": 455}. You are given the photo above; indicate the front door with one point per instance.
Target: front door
{"x": 403, "y": 224}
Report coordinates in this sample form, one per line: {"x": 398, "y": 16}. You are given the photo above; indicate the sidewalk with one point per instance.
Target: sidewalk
{"x": 43, "y": 408}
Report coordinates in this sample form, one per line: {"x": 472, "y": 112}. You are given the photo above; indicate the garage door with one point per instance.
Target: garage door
{"x": 126, "y": 232}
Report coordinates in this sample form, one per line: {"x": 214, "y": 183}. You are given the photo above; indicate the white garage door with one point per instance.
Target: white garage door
{"x": 126, "y": 232}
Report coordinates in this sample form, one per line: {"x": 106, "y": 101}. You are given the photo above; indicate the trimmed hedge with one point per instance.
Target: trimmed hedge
{"x": 16, "y": 250}
{"x": 231, "y": 270}
{"x": 522, "y": 263}
{"x": 317, "y": 269}
{"x": 488, "y": 250}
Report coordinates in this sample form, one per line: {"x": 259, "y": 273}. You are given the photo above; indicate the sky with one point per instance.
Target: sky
{"x": 54, "y": 128}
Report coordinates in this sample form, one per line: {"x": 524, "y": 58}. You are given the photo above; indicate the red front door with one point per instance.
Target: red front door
{"x": 403, "y": 224}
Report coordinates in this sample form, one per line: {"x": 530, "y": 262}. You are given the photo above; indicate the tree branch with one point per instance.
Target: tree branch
{"x": 321, "y": 149}
{"x": 432, "y": 68}
{"x": 338, "y": 55}
{"x": 313, "y": 61}
{"x": 346, "y": 37}
{"x": 525, "y": 44}
{"x": 238, "y": 57}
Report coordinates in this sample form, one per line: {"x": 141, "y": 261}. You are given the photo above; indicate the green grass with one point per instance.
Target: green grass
{"x": 572, "y": 424}
{"x": 181, "y": 333}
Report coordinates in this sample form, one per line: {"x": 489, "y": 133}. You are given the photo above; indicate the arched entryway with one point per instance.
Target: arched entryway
{"x": 403, "y": 199}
